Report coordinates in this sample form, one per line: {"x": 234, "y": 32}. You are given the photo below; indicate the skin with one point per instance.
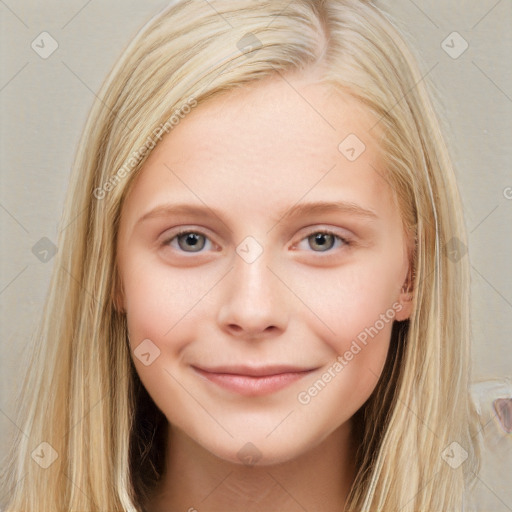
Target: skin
{"x": 246, "y": 157}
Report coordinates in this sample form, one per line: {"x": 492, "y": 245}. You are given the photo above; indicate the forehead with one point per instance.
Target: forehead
{"x": 266, "y": 146}
{"x": 276, "y": 122}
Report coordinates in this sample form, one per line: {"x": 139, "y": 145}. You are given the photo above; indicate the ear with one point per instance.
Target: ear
{"x": 405, "y": 299}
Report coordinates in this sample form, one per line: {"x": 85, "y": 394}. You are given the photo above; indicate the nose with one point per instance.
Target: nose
{"x": 253, "y": 302}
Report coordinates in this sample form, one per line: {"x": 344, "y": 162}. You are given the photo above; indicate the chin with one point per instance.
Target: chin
{"x": 260, "y": 452}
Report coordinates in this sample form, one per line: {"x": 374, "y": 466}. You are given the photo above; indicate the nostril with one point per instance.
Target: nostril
{"x": 238, "y": 329}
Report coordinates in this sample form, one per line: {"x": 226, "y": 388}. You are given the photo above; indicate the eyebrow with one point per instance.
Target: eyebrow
{"x": 297, "y": 210}
{"x": 304, "y": 209}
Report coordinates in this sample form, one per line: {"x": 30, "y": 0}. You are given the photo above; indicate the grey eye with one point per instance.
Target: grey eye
{"x": 191, "y": 242}
{"x": 321, "y": 241}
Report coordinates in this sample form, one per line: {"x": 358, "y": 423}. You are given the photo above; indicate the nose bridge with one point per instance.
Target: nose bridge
{"x": 253, "y": 301}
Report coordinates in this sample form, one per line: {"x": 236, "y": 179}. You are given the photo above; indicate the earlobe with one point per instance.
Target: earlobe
{"x": 405, "y": 300}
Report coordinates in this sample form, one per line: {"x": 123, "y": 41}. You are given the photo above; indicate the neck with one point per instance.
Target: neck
{"x": 196, "y": 480}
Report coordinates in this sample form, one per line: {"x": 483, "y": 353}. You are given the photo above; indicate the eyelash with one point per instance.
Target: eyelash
{"x": 345, "y": 241}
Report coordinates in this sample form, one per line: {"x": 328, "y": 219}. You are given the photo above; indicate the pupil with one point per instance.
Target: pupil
{"x": 191, "y": 242}
{"x": 322, "y": 241}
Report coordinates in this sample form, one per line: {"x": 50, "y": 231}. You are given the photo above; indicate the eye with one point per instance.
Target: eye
{"x": 188, "y": 241}
{"x": 323, "y": 241}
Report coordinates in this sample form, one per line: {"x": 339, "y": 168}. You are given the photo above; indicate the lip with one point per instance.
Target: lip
{"x": 253, "y": 381}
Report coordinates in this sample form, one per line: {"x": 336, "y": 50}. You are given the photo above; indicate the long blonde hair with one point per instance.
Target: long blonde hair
{"x": 82, "y": 395}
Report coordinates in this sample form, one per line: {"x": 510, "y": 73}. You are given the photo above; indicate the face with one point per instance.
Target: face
{"x": 261, "y": 266}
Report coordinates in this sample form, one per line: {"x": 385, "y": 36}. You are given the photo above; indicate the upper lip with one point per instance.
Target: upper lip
{"x": 254, "y": 371}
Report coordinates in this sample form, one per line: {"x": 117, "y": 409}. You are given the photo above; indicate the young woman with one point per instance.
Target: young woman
{"x": 257, "y": 305}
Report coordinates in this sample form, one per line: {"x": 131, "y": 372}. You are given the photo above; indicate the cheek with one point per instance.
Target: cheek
{"x": 164, "y": 309}
{"x": 344, "y": 385}
{"x": 161, "y": 310}
{"x": 360, "y": 316}
{"x": 352, "y": 311}
{"x": 160, "y": 300}
{"x": 350, "y": 303}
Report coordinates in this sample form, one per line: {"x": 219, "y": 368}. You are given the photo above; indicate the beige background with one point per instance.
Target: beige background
{"x": 44, "y": 103}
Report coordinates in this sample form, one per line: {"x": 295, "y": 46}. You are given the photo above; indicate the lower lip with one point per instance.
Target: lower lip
{"x": 252, "y": 386}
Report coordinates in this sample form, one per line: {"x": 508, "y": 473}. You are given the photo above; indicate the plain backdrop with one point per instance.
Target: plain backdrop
{"x": 44, "y": 103}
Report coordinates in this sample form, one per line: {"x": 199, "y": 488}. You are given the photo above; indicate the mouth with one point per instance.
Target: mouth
{"x": 253, "y": 381}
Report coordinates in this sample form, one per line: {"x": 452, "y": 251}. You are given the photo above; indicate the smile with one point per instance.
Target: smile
{"x": 253, "y": 381}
